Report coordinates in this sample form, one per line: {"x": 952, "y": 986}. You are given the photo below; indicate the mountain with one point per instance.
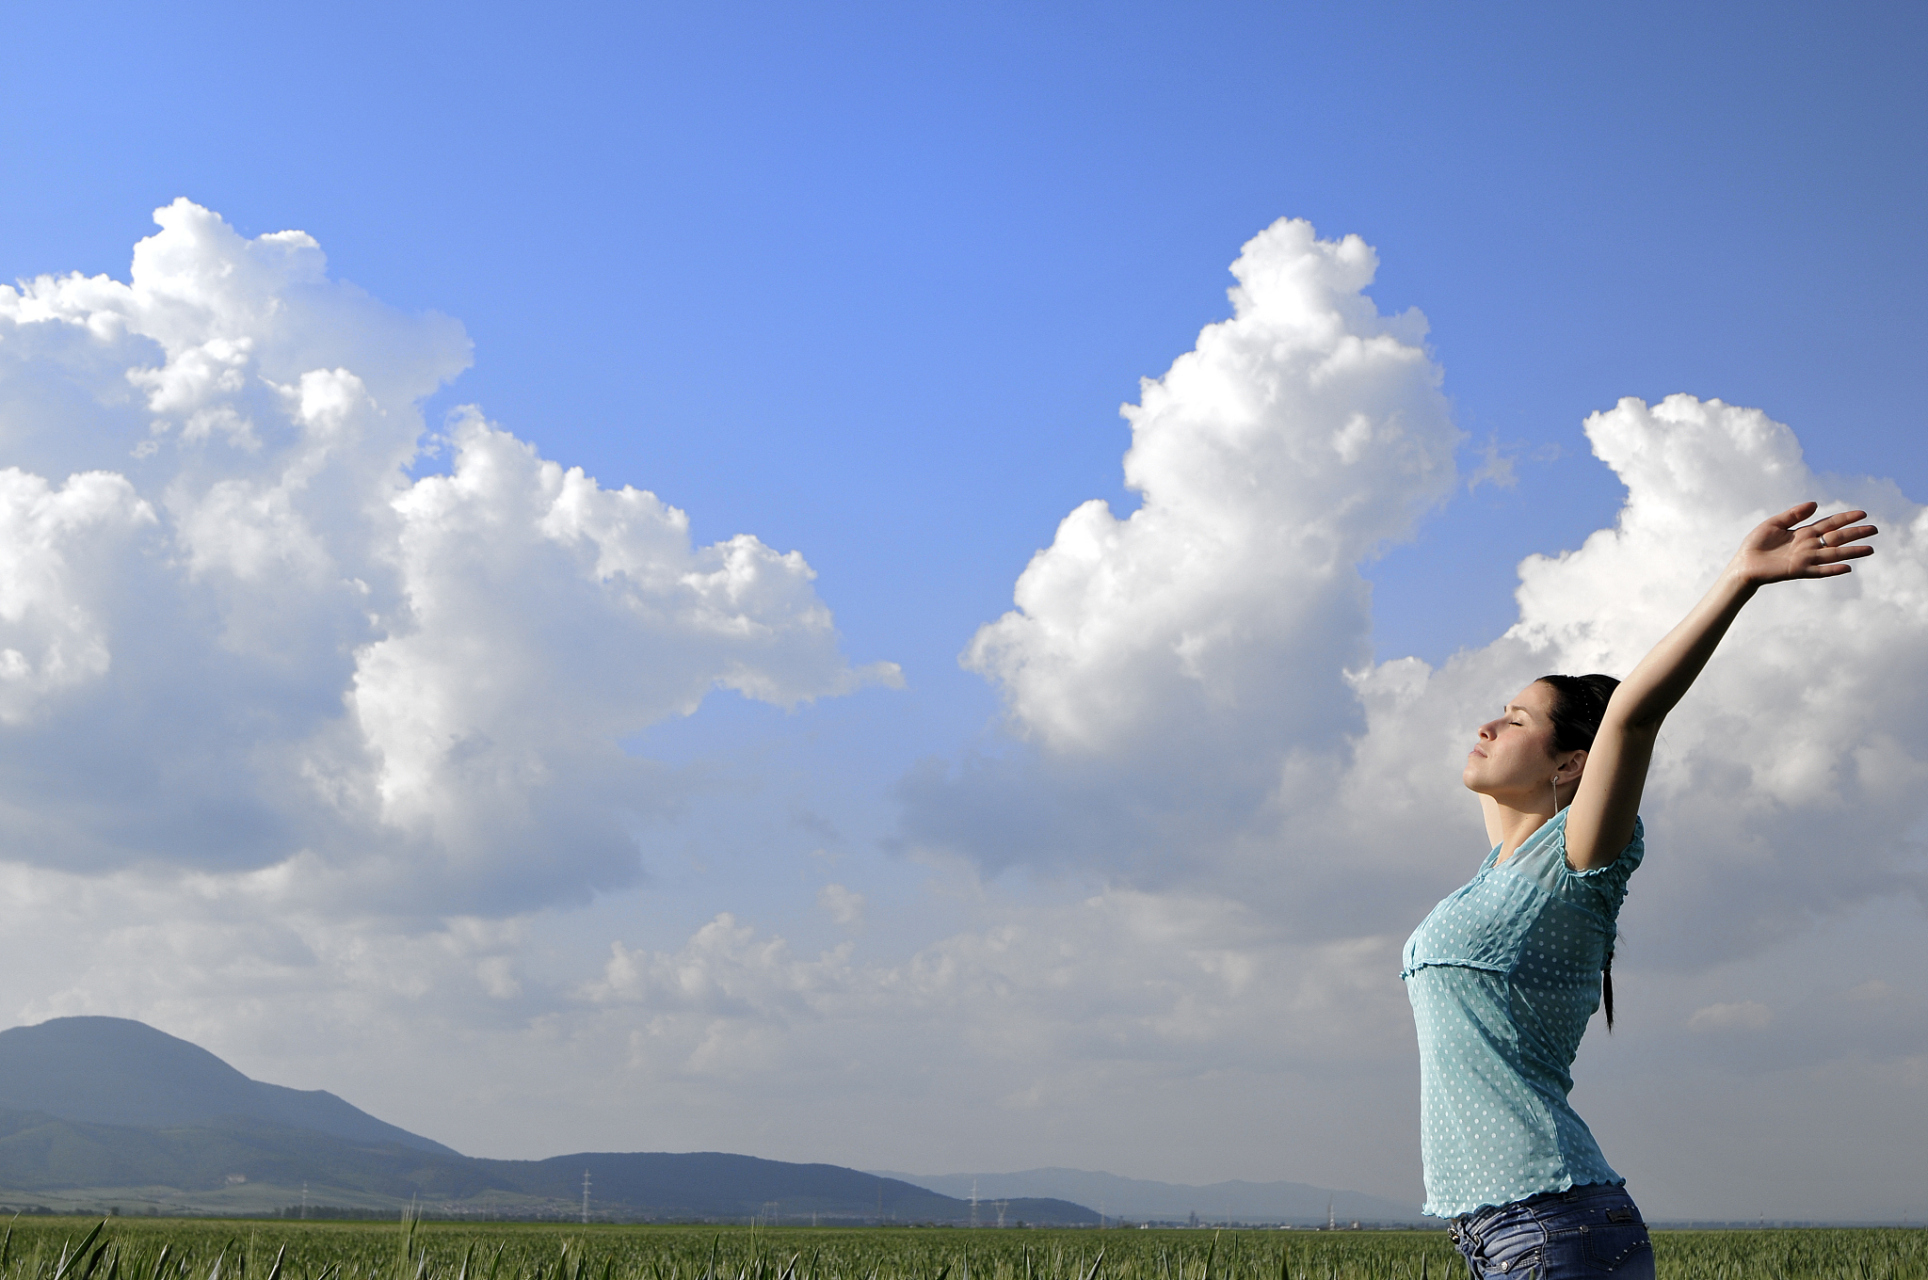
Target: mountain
{"x": 1137, "y": 1200}
{"x": 121, "y": 1072}
{"x": 40, "y": 1153}
{"x": 98, "y": 1111}
{"x": 243, "y": 1165}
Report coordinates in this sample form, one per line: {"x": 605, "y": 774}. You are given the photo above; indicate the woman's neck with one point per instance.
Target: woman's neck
{"x": 1509, "y": 825}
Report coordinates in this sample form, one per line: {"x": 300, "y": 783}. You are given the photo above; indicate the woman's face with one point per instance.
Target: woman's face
{"x": 1514, "y": 751}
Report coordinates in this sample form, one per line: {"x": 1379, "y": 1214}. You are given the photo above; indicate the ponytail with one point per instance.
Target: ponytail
{"x": 1606, "y": 988}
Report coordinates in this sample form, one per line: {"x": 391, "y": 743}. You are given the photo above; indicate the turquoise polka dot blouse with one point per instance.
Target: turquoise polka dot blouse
{"x": 1503, "y": 977}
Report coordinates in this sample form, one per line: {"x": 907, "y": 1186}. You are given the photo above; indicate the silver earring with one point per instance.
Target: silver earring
{"x": 1556, "y": 793}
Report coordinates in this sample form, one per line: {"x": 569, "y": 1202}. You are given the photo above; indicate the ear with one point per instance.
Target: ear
{"x": 1574, "y": 765}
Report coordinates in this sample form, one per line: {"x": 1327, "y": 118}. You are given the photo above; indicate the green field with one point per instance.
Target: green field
{"x": 45, "y": 1248}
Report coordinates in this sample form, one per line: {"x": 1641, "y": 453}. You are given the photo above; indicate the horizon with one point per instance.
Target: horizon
{"x": 1217, "y": 1216}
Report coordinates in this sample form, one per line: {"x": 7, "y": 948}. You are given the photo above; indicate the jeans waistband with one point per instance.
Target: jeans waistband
{"x": 1468, "y": 1226}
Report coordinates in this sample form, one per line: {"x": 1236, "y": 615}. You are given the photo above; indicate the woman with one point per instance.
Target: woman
{"x": 1506, "y": 972}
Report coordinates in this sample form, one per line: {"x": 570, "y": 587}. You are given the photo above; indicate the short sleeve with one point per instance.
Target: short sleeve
{"x": 1607, "y": 885}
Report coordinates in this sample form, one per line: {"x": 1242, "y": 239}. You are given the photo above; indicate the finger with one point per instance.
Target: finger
{"x": 1842, "y": 537}
{"x": 1794, "y": 515}
{"x": 1826, "y": 564}
{"x": 1828, "y": 524}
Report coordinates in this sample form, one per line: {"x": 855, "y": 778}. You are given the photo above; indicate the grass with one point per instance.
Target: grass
{"x": 198, "y": 1249}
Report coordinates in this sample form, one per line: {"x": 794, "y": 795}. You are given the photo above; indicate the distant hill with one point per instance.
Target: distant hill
{"x": 107, "y": 1111}
{"x": 121, "y": 1072}
{"x": 705, "y": 1184}
{"x": 243, "y": 1165}
{"x": 41, "y": 1153}
{"x": 1137, "y": 1200}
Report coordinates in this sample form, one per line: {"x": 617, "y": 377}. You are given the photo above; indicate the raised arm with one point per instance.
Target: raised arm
{"x": 1600, "y": 823}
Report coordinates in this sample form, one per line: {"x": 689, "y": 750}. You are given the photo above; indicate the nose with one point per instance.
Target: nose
{"x": 1486, "y": 733}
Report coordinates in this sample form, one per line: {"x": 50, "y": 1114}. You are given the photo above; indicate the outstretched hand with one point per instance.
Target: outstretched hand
{"x": 1777, "y": 551}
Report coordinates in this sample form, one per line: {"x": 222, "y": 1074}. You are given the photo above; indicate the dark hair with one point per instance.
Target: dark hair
{"x": 1579, "y": 704}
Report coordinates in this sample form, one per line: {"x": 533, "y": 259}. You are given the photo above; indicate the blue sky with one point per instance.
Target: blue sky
{"x": 907, "y": 259}
{"x": 869, "y": 283}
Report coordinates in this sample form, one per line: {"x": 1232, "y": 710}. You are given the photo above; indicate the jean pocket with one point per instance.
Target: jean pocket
{"x": 1520, "y": 1252}
{"x": 1619, "y": 1248}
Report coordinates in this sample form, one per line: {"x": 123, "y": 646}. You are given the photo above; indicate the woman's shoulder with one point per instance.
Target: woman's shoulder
{"x": 1542, "y": 857}
{"x": 1623, "y": 863}
{"x": 1601, "y": 890}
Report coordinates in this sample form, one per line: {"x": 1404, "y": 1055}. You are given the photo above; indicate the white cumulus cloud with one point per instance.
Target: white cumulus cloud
{"x": 1298, "y": 438}
{"x": 1165, "y": 667}
{"x": 237, "y": 633}
{"x": 1806, "y": 737}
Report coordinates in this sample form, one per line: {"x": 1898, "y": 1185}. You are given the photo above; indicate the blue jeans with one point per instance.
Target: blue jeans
{"x": 1563, "y": 1235}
